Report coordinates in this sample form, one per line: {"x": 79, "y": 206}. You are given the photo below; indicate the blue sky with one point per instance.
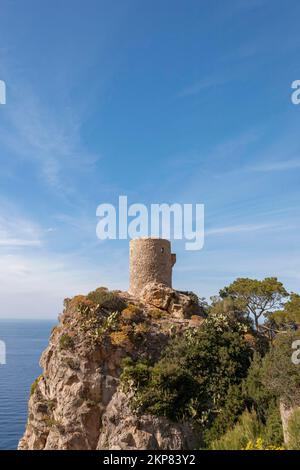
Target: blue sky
{"x": 162, "y": 101}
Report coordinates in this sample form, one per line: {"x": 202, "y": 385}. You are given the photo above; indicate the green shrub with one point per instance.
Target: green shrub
{"x": 66, "y": 342}
{"x": 247, "y": 429}
{"x": 140, "y": 329}
{"x": 273, "y": 432}
{"x": 34, "y": 384}
{"x": 51, "y": 422}
{"x": 192, "y": 379}
{"x": 280, "y": 376}
{"x": 110, "y": 323}
{"x": 131, "y": 313}
{"x": 155, "y": 313}
{"x": 263, "y": 401}
{"x": 106, "y": 299}
{"x": 121, "y": 338}
{"x": 260, "y": 444}
{"x": 234, "y": 405}
{"x": 134, "y": 373}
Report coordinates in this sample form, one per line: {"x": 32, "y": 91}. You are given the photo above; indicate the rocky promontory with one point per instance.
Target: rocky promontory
{"x": 79, "y": 401}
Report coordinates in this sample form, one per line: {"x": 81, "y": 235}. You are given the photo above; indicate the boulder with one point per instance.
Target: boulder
{"x": 177, "y": 304}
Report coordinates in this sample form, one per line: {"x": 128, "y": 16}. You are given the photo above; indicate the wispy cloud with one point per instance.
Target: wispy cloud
{"x": 17, "y": 231}
{"x": 11, "y": 242}
{"x": 31, "y": 267}
{"x": 203, "y": 84}
{"x": 232, "y": 229}
{"x": 35, "y": 284}
{"x": 283, "y": 165}
{"x": 49, "y": 139}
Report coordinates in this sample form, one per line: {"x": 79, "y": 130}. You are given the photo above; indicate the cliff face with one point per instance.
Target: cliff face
{"x": 78, "y": 401}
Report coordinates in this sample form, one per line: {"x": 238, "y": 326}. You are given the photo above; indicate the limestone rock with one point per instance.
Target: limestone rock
{"x": 77, "y": 402}
{"x": 285, "y": 414}
{"x": 177, "y": 304}
{"x": 123, "y": 430}
{"x": 157, "y": 294}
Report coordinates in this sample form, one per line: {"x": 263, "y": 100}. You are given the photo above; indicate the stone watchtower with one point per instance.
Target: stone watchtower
{"x": 151, "y": 260}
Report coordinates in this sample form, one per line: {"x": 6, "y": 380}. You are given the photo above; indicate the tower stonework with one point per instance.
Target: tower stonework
{"x": 151, "y": 260}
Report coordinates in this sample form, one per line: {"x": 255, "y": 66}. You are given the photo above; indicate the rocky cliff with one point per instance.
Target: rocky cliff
{"x": 78, "y": 402}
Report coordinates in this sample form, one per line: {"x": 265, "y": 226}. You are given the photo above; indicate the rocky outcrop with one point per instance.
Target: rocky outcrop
{"x": 78, "y": 401}
{"x": 177, "y": 304}
{"x": 123, "y": 430}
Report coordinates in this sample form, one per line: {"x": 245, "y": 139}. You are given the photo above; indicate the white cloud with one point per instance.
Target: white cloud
{"x": 204, "y": 84}
{"x": 282, "y": 165}
{"x": 18, "y": 242}
{"x": 16, "y": 230}
{"x": 34, "y": 279}
{"x": 34, "y": 286}
{"x": 240, "y": 228}
{"x": 51, "y": 140}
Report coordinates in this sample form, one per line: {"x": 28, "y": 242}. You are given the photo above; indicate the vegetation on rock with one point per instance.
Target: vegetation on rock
{"x": 35, "y": 384}
{"x": 66, "y": 342}
{"x": 194, "y": 377}
{"x": 227, "y": 375}
{"x": 106, "y": 299}
{"x": 223, "y": 375}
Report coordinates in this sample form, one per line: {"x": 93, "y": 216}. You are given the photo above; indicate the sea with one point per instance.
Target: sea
{"x": 24, "y": 342}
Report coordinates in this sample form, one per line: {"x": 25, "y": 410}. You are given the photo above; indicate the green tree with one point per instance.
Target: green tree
{"x": 280, "y": 375}
{"x": 234, "y": 309}
{"x": 256, "y": 298}
{"x": 264, "y": 402}
{"x": 288, "y": 318}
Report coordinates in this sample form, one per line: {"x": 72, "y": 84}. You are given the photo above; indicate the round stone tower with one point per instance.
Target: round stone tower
{"x": 151, "y": 260}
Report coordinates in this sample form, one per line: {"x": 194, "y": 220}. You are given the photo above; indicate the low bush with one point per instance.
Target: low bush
{"x": 140, "y": 329}
{"x": 263, "y": 401}
{"x": 259, "y": 444}
{"x": 66, "y": 342}
{"x": 280, "y": 375}
{"x": 155, "y": 313}
{"x": 248, "y": 429}
{"x": 131, "y": 313}
{"x": 35, "y": 384}
{"x": 122, "y": 338}
{"x": 106, "y": 299}
{"x": 247, "y": 434}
